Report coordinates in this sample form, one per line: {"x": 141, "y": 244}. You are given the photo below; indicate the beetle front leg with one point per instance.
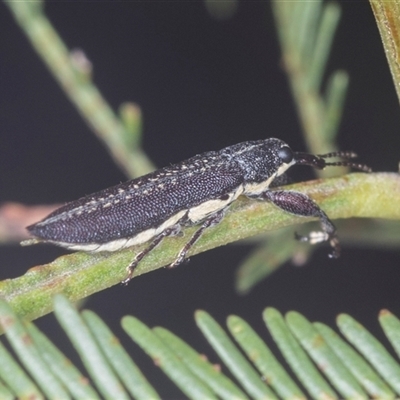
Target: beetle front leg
{"x": 299, "y": 204}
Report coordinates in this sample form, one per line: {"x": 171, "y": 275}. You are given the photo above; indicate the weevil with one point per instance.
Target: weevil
{"x": 197, "y": 191}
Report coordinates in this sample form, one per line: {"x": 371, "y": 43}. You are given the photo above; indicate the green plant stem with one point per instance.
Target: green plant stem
{"x": 387, "y": 16}
{"x": 80, "y": 274}
{"x": 79, "y": 88}
{"x": 306, "y": 31}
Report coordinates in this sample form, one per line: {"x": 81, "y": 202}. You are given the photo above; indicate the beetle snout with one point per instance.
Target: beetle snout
{"x": 309, "y": 159}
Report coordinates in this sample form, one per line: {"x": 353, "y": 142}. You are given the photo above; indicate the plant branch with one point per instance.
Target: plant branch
{"x": 80, "y": 274}
{"x": 72, "y": 71}
{"x": 306, "y": 31}
{"x": 387, "y": 16}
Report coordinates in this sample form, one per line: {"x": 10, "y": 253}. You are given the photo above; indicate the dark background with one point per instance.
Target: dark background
{"x": 202, "y": 84}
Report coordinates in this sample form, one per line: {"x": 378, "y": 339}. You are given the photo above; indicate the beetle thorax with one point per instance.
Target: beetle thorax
{"x": 261, "y": 162}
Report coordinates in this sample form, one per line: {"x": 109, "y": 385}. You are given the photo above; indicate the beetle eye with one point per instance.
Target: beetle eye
{"x": 285, "y": 154}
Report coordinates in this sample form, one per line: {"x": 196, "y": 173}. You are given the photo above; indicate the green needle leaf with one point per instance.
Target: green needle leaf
{"x": 232, "y": 358}
{"x": 326, "y": 360}
{"x": 90, "y": 353}
{"x": 367, "y": 377}
{"x": 124, "y": 366}
{"x": 297, "y": 358}
{"x": 202, "y": 368}
{"x": 371, "y": 349}
{"x": 256, "y": 350}
{"x": 163, "y": 357}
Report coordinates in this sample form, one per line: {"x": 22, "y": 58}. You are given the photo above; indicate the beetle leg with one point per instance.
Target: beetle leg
{"x": 299, "y": 204}
{"x": 174, "y": 230}
{"x": 211, "y": 220}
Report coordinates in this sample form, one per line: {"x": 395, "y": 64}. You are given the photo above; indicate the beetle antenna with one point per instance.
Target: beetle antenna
{"x": 346, "y": 155}
{"x": 340, "y": 154}
{"x": 360, "y": 167}
{"x": 318, "y": 161}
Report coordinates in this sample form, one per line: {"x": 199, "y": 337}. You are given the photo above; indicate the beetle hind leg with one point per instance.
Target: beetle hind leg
{"x": 299, "y": 204}
{"x": 211, "y": 220}
{"x": 174, "y": 230}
